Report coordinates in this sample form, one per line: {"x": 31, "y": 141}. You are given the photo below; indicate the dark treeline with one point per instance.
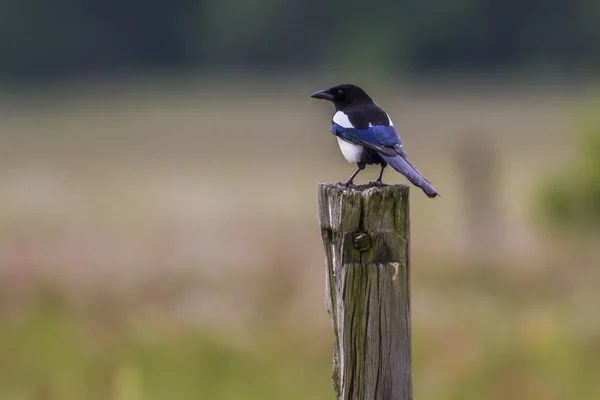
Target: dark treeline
{"x": 47, "y": 39}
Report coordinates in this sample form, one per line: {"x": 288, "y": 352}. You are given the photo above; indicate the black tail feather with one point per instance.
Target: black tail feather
{"x": 402, "y": 165}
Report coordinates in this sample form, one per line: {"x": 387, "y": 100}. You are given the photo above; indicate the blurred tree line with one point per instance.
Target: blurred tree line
{"x": 42, "y": 39}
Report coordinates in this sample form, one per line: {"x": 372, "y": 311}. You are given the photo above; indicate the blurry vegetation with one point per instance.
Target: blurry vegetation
{"x": 52, "y": 352}
{"x": 99, "y": 213}
{"x": 477, "y": 334}
{"x": 38, "y": 40}
{"x": 570, "y": 197}
{"x": 492, "y": 336}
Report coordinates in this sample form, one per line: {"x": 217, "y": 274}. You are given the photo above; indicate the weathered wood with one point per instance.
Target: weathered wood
{"x": 365, "y": 233}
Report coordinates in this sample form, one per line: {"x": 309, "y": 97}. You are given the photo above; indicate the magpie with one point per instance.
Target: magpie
{"x": 366, "y": 135}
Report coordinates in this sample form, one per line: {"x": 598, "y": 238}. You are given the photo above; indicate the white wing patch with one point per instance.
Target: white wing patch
{"x": 342, "y": 120}
{"x": 352, "y": 152}
{"x": 391, "y": 123}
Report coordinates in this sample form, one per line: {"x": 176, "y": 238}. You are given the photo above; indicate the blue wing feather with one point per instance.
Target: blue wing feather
{"x": 381, "y": 138}
{"x": 386, "y": 141}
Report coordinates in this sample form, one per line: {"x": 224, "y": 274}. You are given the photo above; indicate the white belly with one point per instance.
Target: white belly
{"x": 352, "y": 152}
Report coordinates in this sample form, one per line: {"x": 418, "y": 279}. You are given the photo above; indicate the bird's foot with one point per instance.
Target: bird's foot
{"x": 348, "y": 184}
{"x": 377, "y": 182}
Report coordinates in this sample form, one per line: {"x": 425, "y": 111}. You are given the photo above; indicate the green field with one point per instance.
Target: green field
{"x": 162, "y": 244}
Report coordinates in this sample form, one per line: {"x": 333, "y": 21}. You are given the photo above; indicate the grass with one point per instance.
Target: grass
{"x": 470, "y": 341}
{"x": 50, "y": 352}
{"x": 153, "y": 247}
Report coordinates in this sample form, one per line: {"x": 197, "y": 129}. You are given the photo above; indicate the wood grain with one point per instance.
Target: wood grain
{"x": 366, "y": 236}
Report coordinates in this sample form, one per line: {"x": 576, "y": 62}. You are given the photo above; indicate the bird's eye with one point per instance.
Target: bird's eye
{"x": 340, "y": 92}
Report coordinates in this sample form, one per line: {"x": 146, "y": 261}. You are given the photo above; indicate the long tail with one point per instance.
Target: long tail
{"x": 402, "y": 165}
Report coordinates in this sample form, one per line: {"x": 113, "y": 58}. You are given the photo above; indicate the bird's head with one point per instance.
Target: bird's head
{"x": 343, "y": 96}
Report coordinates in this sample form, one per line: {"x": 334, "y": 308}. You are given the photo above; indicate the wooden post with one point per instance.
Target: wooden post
{"x": 366, "y": 237}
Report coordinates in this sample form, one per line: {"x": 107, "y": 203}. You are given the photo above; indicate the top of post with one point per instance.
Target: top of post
{"x": 364, "y": 189}
{"x": 372, "y": 207}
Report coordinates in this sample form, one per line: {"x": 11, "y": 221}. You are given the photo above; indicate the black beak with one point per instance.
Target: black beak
{"x": 323, "y": 94}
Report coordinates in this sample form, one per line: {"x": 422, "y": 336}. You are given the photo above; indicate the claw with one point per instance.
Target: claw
{"x": 348, "y": 185}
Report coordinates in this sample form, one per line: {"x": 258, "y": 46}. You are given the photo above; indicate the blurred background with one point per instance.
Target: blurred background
{"x": 158, "y": 172}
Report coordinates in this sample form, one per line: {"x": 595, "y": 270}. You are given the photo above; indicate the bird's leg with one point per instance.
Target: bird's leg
{"x": 379, "y": 179}
{"x": 361, "y": 166}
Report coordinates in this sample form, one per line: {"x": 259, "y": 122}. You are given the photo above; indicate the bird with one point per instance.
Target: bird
{"x": 366, "y": 135}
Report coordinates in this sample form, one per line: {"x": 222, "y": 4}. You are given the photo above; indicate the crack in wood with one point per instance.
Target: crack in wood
{"x": 365, "y": 231}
